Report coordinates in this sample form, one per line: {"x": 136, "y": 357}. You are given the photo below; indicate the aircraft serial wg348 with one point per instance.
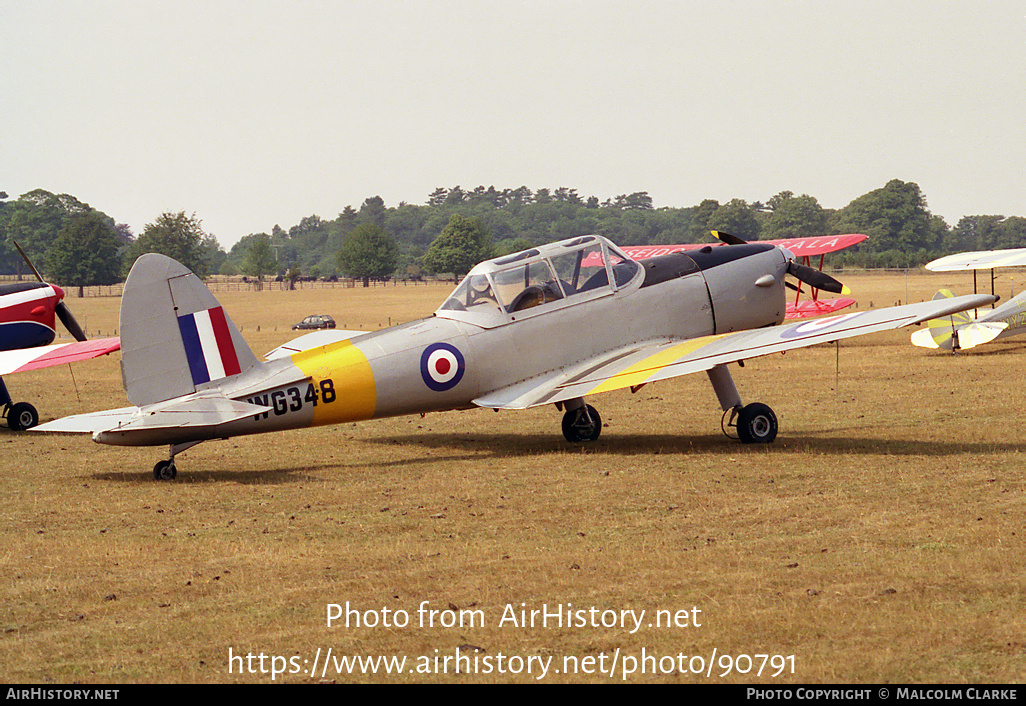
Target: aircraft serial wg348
{"x": 549, "y": 325}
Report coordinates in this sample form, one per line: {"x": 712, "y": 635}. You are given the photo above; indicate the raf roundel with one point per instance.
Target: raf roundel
{"x": 441, "y": 366}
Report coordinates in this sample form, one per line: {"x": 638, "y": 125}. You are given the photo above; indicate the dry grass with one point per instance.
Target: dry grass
{"x": 880, "y": 539}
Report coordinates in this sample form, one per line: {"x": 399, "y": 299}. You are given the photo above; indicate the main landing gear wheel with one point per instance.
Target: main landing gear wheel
{"x": 165, "y": 470}
{"x": 756, "y": 424}
{"x": 582, "y": 424}
{"x": 22, "y": 416}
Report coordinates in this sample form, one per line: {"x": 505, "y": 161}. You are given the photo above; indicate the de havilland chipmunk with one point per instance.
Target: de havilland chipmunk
{"x": 961, "y": 331}
{"x": 549, "y": 325}
{"x": 28, "y": 324}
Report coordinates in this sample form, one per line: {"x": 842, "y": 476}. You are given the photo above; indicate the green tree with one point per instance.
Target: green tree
{"x": 373, "y": 211}
{"x": 895, "y": 218}
{"x": 85, "y": 252}
{"x": 461, "y": 245}
{"x": 34, "y": 220}
{"x": 258, "y": 256}
{"x": 176, "y": 235}
{"x": 794, "y": 217}
{"x": 368, "y": 251}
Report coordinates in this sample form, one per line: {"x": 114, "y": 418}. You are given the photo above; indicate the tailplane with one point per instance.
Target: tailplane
{"x": 175, "y": 337}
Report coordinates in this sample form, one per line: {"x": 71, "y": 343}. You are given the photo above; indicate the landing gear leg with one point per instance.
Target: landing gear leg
{"x": 755, "y": 423}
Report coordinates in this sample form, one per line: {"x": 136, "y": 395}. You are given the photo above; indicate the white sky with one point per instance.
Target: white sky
{"x": 257, "y": 113}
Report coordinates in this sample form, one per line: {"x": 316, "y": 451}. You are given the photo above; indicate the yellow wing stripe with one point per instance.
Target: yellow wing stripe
{"x": 647, "y": 367}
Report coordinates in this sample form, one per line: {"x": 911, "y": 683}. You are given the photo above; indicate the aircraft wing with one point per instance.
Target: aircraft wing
{"x": 19, "y": 361}
{"x": 806, "y": 308}
{"x": 979, "y": 260}
{"x": 658, "y": 360}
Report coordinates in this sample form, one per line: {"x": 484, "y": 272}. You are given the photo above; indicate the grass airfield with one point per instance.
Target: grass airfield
{"x": 879, "y": 539}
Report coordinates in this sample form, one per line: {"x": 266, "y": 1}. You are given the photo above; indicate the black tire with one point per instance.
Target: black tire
{"x": 578, "y": 426}
{"x": 165, "y": 470}
{"x": 22, "y": 416}
{"x": 756, "y": 424}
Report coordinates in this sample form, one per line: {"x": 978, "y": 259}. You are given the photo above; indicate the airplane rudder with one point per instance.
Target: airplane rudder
{"x": 175, "y": 335}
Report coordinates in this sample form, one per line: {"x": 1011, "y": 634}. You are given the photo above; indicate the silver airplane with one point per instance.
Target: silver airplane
{"x": 546, "y": 326}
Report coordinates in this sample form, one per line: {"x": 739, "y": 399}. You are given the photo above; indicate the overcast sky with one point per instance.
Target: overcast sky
{"x": 251, "y": 114}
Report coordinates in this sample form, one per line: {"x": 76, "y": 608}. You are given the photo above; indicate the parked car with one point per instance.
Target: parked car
{"x": 316, "y": 321}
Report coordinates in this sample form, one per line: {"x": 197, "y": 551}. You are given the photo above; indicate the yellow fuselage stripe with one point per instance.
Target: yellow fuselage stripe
{"x": 351, "y": 381}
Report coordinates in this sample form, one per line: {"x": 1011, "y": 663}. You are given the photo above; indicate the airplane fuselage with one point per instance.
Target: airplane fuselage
{"x": 27, "y": 315}
{"x": 446, "y": 361}
{"x": 1012, "y": 312}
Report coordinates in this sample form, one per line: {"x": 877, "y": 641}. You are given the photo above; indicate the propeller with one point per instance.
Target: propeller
{"x": 61, "y": 310}
{"x": 803, "y": 273}
{"x": 816, "y": 278}
{"x": 727, "y": 238}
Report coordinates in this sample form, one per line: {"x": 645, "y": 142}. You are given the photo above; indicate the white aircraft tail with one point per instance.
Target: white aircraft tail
{"x": 175, "y": 337}
{"x": 956, "y": 330}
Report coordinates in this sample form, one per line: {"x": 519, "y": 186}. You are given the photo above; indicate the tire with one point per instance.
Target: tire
{"x": 756, "y": 424}
{"x": 22, "y": 416}
{"x": 576, "y": 425}
{"x": 165, "y": 470}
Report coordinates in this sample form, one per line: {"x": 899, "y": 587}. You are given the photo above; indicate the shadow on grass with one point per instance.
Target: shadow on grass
{"x": 499, "y": 445}
{"x": 438, "y": 448}
{"x": 198, "y": 474}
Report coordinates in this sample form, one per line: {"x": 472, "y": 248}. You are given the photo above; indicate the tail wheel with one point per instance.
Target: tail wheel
{"x": 582, "y": 424}
{"x": 756, "y": 424}
{"x": 22, "y": 416}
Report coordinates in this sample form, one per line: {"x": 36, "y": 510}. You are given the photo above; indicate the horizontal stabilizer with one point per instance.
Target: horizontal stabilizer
{"x": 193, "y": 413}
{"x": 89, "y": 423}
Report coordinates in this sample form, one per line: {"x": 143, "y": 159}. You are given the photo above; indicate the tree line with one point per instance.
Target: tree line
{"x": 78, "y": 245}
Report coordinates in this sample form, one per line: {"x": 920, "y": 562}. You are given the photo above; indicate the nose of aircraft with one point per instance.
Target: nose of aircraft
{"x": 58, "y": 291}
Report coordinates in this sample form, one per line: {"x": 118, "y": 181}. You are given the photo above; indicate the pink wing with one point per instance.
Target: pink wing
{"x": 815, "y": 307}
{"x": 799, "y": 247}
{"x": 45, "y": 356}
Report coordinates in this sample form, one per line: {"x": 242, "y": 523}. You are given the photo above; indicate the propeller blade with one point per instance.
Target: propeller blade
{"x": 815, "y": 278}
{"x": 27, "y": 261}
{"x": 728, "y": 238}
{"x": 64, "y": 314}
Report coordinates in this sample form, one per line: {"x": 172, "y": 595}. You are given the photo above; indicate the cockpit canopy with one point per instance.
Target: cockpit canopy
{"x": 541, "y": 279}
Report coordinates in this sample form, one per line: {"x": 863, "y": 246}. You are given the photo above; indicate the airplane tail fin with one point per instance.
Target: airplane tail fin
{"x": 959, "y": 330}
{"x": 175, "y": 337}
